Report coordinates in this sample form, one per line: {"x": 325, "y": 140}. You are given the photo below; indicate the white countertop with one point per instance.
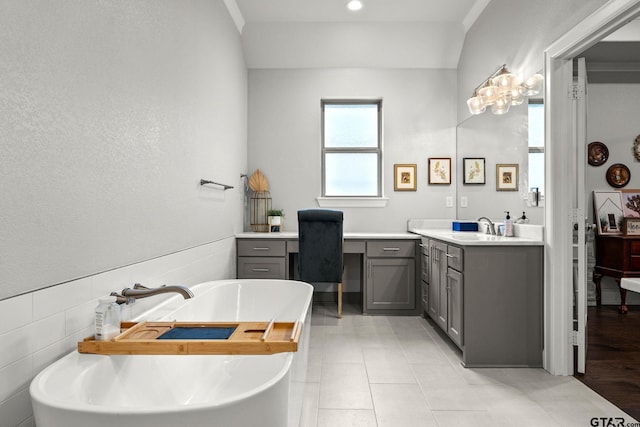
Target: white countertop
{"x": 347, "y": 236}
{"x": 467, "y": 238}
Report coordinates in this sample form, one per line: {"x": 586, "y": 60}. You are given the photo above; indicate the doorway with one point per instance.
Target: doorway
{"x": 612, "y": 343}
{"x": 562, "y": 197}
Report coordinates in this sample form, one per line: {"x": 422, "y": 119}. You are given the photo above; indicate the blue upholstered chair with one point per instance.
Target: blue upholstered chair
{"x": 320, "y": 245}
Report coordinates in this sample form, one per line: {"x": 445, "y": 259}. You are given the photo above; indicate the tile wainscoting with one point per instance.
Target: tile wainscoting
{"x": 40, "y": 327}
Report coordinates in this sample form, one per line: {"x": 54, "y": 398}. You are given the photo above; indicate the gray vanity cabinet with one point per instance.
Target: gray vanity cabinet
{"x": 446, "y": 289}
{"x": 488, "y": 300}
{"x": 438, "y": 283}
{"x": 391, "y": 275}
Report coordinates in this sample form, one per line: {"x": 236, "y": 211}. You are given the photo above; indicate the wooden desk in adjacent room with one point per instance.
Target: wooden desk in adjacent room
{"x": 617, "y": 256}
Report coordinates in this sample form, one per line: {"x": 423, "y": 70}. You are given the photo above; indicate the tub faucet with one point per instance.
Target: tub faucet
{"x": 491, "y": 229}
{"x": 129, "y": 295}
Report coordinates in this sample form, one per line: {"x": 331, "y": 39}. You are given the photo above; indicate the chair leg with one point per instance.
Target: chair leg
{"x": 340, "y": 300}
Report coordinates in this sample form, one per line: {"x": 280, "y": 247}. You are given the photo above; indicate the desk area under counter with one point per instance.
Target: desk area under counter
{"x": 388, "y": 263}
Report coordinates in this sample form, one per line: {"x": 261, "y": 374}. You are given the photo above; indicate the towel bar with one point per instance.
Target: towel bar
{"x": 225, "y": 187}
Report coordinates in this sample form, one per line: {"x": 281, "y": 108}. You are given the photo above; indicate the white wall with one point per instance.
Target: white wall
{"x": 110, "y": 114}
{"x": 612, "y": 119}
{"x": 515, "y": 33}
{"x": 285, "y": 137}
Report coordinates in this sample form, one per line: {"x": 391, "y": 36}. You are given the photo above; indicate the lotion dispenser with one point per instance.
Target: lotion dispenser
{"x": 508, "y": 226}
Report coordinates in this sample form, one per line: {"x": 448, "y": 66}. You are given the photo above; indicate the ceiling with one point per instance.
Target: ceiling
{"x": 324, "y": 33}
{"x": 616, "y": 59}
{"x": 391, "y": 34}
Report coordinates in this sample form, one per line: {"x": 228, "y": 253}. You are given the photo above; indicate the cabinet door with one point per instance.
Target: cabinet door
{"x": 424, "y": 271}
{"x": 434, "y": 286}
{"x": 437, "y": 283}
{"x": 425, "y": 264}
{"x": 454, "y": 306}
{"x": 391, "y": 283}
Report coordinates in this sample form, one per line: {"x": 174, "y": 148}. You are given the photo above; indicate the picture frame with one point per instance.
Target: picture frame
{"x": 440, "y": 170}
{"x": 473, "y": 170}
{"x": 507, "y": 177}
{"x": 609, "y": 213}
{"x": 404, "y": 177}
{"x": 631, "y": 227}
{"x": 631, "y": 203}
{"x": 618, "y": 175}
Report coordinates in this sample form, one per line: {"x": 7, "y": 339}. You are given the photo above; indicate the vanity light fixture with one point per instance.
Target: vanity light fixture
{"x": 501, "y": 90}
{"x": 354, "y": 5}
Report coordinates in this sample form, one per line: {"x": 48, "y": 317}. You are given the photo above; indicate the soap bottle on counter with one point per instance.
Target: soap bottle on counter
{"x": 508, "y": 226}
{"x": 107, "y": 321}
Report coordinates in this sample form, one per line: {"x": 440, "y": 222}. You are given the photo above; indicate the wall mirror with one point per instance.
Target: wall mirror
{"x": 515, "y": 138}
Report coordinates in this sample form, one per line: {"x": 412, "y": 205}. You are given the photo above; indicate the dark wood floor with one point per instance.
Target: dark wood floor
{"x": 613, "y": 356}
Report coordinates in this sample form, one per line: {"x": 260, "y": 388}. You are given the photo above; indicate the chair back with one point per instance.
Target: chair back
{"x": 320, "y": 245}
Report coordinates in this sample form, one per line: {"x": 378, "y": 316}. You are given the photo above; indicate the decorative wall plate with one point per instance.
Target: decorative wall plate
{"x": 636, "y": 148}
{"x": 597, "y": 153}
{"x": 618, "y": 175}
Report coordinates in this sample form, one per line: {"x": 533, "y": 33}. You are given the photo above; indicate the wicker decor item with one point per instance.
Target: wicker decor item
{"x": 258, "y": 182}
{"x": 260, "y": 206}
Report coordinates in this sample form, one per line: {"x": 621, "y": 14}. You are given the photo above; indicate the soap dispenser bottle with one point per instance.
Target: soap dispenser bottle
{"x": 508, "y": 226}
{"x": 107, "y": 319}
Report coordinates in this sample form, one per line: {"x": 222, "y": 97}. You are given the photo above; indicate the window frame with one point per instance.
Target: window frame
{"x": 536, "y": 149}
{"x": 355, "y": 150}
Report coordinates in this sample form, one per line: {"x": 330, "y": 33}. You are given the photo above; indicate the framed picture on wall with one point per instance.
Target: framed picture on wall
{"x": 474, "y": 172}
{"x": 631, "y": 203}
{"x": 609, "y": 212}
{"x": 507, "y": 177}
{"x": 439, "y": 170}
{"x": 404, "y": 177}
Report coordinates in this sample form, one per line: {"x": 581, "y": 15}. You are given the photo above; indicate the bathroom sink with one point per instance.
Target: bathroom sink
{"x": 467, "y": 236}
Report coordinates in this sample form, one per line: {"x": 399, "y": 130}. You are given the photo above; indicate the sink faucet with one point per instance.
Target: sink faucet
{"x": 128, "y": 295}
{"x": 491, "y": 229}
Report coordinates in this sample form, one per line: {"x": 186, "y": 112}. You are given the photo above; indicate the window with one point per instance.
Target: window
{"x": 351, "y": 148}
{"x": 536, "y": 145}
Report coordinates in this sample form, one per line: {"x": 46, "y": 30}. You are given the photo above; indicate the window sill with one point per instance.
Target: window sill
{"x": 352, "y": 202}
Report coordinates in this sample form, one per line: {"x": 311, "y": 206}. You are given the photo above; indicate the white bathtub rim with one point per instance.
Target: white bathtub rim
{"x": 48, "y": 399}
{"x": 80, "y": 406}
{"x": 177, "y": 301}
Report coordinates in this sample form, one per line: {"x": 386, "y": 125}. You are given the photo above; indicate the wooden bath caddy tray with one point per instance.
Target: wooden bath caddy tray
{"x": 198, "y": 338}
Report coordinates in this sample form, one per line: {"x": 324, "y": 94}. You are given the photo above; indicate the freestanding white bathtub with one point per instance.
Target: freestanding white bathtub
{"x": 142, "y": 390}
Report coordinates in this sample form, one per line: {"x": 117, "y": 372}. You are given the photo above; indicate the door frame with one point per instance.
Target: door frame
{"x": 558, "y": 288}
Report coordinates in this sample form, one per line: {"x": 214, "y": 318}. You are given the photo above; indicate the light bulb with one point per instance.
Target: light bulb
{"x": 501, "y": 105}
{"x": 488, "y": 93}
{"x": 517, "y": 97}
{"x": 504, "y": 81}
{"x": 354, "y": 5}
{"x": 476, "y": 104}
{"x": 533, "y": 85}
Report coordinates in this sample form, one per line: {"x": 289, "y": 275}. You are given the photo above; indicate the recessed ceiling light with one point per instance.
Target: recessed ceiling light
{"x": 354, "y": 5}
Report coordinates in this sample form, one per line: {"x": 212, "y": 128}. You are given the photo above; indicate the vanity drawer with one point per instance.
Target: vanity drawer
{"x": 391, "y": 249}
{"x": 261, "y": 248}
{"x": 455, "y": 257}
{"x": 261, "y": 268}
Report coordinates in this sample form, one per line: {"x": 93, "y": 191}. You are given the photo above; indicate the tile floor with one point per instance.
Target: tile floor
{"x": 392, "y": 371}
